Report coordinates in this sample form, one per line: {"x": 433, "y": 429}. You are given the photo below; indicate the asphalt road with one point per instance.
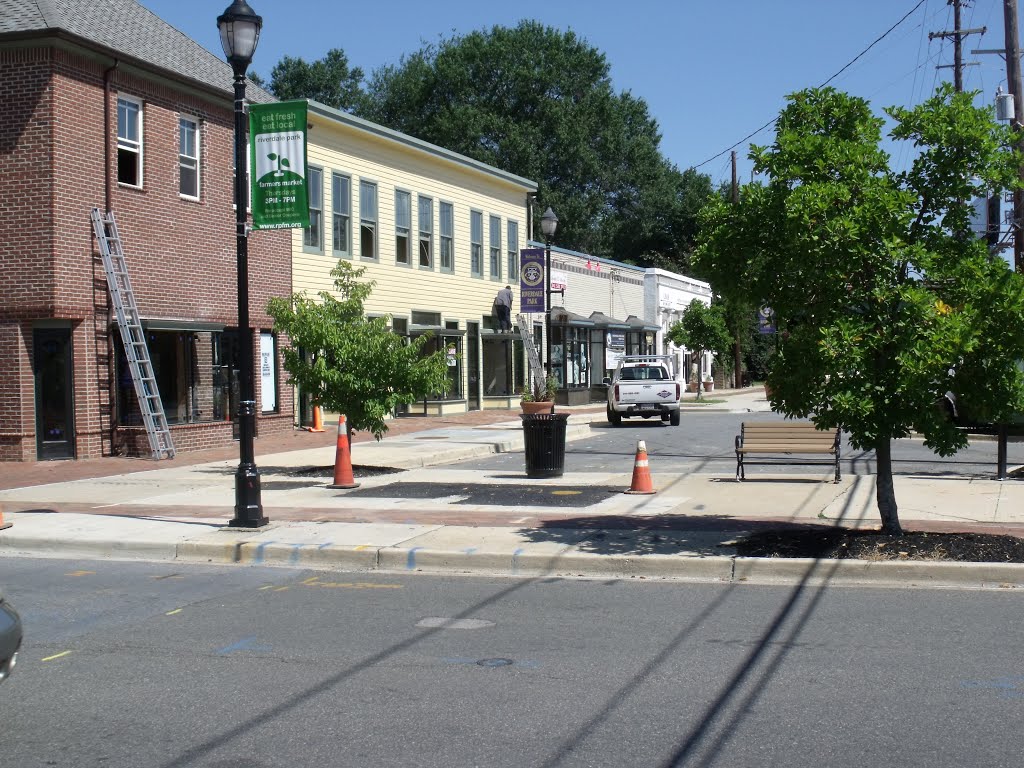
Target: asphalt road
{"x": 153, "y": 665}
{"x": 705, "y": 442}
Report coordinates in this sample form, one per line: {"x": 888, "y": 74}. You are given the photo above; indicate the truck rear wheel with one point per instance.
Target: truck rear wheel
{"x": 613, "y": 417}
{"x": 674, "y": 419}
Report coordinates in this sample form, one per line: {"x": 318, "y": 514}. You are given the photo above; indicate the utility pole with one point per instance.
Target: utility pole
{"x": 958, "y": 35}
{"x": 737, "y": 354}
{"x": 1014, "y": 86}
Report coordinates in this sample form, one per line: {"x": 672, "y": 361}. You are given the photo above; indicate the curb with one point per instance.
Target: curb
{"x": 564, "y": 563}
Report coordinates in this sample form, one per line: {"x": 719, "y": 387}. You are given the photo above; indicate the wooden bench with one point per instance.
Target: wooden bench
{"x": 785, "y": 442}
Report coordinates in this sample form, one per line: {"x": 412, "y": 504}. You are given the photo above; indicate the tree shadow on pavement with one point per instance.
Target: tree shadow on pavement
{"x": 701, "y": 536}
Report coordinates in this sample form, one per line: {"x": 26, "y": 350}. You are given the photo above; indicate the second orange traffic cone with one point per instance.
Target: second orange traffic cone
{"x": 318, "y": 420}
{"x": 2, "y": 523}
{"x": 641, "y": 472}
{"x": 343, "y": 477}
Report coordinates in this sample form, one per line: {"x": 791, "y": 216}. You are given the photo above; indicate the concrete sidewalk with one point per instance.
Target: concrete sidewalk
{"x": 485, "y": 522}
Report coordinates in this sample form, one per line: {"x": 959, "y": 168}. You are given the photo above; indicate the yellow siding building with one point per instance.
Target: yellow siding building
{"x": 438, "y": 232}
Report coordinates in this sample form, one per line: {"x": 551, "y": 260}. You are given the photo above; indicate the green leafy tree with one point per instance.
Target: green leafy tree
{"x": 539, "y": 102}
{"x": 883, "y": 299}
{"x": 329, "y": 80}
{"x": 700, "y": 329}
{"x": 358, "y": 366}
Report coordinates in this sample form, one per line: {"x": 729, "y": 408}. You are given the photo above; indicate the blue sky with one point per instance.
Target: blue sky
{"x": 710, "y": 72}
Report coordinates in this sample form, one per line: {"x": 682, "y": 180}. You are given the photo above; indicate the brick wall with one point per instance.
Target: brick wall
{"x": 180, "y": 253}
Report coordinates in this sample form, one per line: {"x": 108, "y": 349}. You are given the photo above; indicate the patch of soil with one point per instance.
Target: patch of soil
{"x": 847, "y": 544}
{"x": 357, "y": 471}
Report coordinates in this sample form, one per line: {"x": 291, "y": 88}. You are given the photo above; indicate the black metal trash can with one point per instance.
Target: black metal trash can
{"x": 544, "y": 439}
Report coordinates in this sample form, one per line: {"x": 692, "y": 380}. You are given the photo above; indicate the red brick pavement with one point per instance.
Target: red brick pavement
{"x": 21, "y": 474}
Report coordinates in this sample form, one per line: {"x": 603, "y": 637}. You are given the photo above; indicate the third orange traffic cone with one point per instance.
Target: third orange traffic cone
{"x": 343, "y": 477}
{"x": 641, "y": 472}
{"x": 318, "y": 420}
{"x": 2, "y": 523}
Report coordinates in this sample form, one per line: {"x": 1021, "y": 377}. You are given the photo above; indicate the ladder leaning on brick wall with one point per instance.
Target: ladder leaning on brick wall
{"x": 132, "y": 335}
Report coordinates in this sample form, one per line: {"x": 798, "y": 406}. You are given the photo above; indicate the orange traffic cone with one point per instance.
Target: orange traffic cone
{"x": 641, "y": 472}
{"x": 343, "y": 477}
{"x": 2, "y": 523}
{"x": 318, "y": 420}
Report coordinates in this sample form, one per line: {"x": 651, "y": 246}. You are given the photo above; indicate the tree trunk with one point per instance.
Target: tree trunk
{"x": 885, "y": 493}
{"x": 737, "y": 362}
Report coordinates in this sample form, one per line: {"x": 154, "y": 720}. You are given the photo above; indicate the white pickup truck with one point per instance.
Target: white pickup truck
{"x": 644, "y": 386}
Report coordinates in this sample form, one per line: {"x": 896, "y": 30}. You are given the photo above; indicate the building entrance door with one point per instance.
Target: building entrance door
{"x": 52, "y": 365}
{"x": 473, "y": 366}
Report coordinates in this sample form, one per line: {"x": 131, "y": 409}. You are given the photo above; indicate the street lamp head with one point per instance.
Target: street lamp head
{"x": 548, "y": 223}
{"x": 239, "y": 32}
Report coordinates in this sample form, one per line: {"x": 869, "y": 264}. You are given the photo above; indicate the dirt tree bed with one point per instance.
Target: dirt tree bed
{"x": 847, "y": 544}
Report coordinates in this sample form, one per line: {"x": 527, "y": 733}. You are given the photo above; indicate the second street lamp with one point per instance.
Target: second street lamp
{"x": 239, "y": 32}
{"x": 548, "y": 225}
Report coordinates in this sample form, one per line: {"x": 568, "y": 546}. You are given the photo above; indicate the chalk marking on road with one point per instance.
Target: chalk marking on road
{"x": 56, "y": 656}
{"x": 310, "y": 581}
{"x": 566, "y": 493}
{"x": 75, "y": 574}
{"x": 325, "y": 545}
{"x": 245, "y": 644}
{"x": 281, "y": 589}
{"x": 168, "y": 576}
{"x": 361, "y": 547}
{"x": 410, "y": 562}
{"x": 520, "y": 520}
{"x": 350, "y": 585}
{"x": 258, "y": 557}
{"x": 172, "y": 613}
{"x": 515, "y": 559}
{"x": 269, "y": 586}
{"x": 469, "y": 550}
{"x": 294, "y": 558}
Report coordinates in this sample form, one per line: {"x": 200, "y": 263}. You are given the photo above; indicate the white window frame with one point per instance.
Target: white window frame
{"x": 186, "y": 161}
{"x": 425, "y": 237}
{"x": 446, "y": 233}
{"x": 512, "y": 244}
{"x": 403, "y": 229}
{"x": 367, "y": 222}
{"x": 345, "y": 248}
{"x": 494, "y": 227}
{"x": 318, "y": 191}
{"x": 476, "y": 243}
{"x": 127, "y": 144}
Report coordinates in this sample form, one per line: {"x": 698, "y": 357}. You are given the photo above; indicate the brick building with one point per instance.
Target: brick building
{"x": 107, "y": 106}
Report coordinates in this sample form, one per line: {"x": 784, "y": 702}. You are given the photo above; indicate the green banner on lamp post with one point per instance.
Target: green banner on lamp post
{"x": 277, "y": 154}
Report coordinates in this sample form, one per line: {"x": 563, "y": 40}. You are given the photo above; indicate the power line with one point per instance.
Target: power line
{"x": 837, "y": 74}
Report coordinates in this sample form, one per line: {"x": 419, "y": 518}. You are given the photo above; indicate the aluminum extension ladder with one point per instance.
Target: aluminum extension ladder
{"x": 132, "y": 335}
{"x": 536, "y": 370}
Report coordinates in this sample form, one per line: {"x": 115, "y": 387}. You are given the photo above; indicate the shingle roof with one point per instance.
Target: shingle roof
{"x": 125, "y": 27}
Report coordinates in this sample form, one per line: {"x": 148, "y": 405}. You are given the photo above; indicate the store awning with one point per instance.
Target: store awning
{"x": 601, "y": 320}
{"x": 167, "y": 324}
{"x": 562, "y": 316}
{"x": 636, "y": 324}
{"x": 436, "y": 330}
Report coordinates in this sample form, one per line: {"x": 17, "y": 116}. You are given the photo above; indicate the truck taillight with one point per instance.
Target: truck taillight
{"x": 679, "y": 391}
{"x": 616, "y": 393}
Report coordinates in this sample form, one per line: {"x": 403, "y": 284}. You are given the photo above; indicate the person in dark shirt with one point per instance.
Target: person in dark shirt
{"x": 503, "y": 308}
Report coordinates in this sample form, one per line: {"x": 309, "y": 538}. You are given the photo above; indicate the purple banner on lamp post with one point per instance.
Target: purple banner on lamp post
{"x": 532, "y": 295}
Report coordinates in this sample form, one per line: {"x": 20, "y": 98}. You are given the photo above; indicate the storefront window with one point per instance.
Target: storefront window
{"x": 452, "y": 348}
{"x": 570, "y": 358}
{"x": 497, "y": 366}
{"x": 196, "y": 374}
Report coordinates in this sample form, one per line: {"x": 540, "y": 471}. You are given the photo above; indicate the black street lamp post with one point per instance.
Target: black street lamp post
{"x": 548, "y": 225}
{"x": 239, "y": 32}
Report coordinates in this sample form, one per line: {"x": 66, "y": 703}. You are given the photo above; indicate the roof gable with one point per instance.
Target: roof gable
{"x": 125, "y": 27}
